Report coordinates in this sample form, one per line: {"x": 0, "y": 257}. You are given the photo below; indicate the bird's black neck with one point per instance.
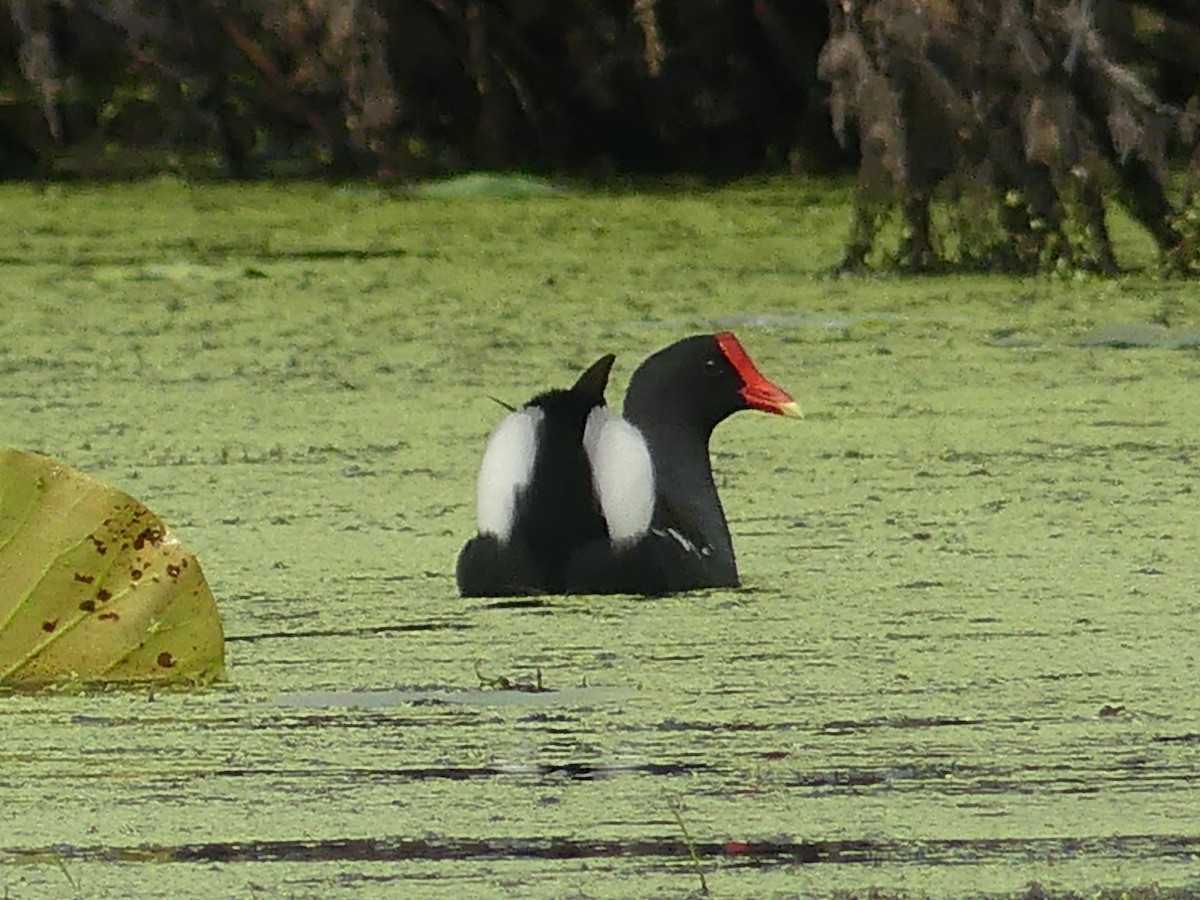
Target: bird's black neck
{"x": 687, "y": 494}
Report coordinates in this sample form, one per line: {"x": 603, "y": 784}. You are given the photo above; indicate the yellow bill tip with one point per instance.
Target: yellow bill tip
{"x": 791, "y": 410}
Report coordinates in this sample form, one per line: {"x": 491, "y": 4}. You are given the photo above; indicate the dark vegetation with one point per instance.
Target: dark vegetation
{"x": 415, "y": 86}
{"x": 1030, "y": 112}
{"x": 998, "y": 128}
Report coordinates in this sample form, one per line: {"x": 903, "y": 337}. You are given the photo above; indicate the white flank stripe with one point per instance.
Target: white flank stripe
{"x": 683, "y": 542}
{"x": 506, "y": 470}
{"x": 622, "y": 474}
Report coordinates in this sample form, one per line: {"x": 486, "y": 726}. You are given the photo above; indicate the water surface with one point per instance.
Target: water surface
{"x": 963, "y": 658}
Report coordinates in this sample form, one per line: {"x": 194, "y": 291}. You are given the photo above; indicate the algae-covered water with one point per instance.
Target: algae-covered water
{"x": 963, "y": 658}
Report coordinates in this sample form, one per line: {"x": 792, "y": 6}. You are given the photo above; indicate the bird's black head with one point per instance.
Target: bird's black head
{"x": 701, "y": 380}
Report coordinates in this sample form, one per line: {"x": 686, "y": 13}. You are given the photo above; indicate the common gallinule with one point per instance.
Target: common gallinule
{"x": 572, "y": 498}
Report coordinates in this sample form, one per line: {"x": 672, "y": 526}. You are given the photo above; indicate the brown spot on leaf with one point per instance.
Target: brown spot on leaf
{"x": 109, "y": 616}
{"x": 85, "y": 579}
{"x": 49, "y": 625}
{"x": 135, "y": 574}
{"x": 166, "y": 660}
{"x": 88, "y": 606}
{"x": 148, "y": 535}
{"x": 103, "y": 595}
{"x": 100, "y": 546}
{"x": 173, "y": 570}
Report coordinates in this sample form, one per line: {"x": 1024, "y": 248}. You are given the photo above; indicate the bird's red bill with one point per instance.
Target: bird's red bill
{"x": 758, "y": 391}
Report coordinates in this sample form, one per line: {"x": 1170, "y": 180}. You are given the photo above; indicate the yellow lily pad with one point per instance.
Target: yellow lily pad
{"x": 94, "y": 588}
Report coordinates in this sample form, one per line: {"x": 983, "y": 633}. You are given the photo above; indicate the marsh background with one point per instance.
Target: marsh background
{"x": 963, "y": 658}
{"x": 1019, "y": 121}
